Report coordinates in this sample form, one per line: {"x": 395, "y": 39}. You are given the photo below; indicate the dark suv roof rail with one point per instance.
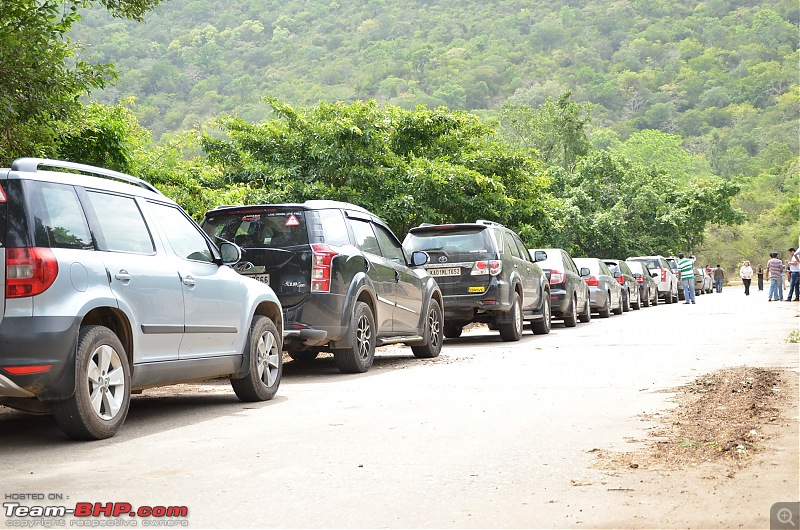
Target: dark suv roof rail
{"x": 31, "y": 165}
{"x": 487, "y": 223}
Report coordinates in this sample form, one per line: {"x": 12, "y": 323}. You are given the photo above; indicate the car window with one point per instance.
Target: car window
{"x": 457, "y": 244}
{"x": 522, "y": 251}
{"x": 124, "y": 229}
{"x": 511, "y": 247}
{"x": 365, "y": 236}
{"x": 329, "y": 227}
{"x": 258, "y": 228}
{"x": 604, "y": 269}
{"x": 183, "y": 235}
{"x": 58, "y": 216}
{"x": 389, "y": 245}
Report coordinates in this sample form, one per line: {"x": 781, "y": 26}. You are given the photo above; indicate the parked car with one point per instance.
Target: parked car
{"x": 662, "y": 272}
{"x": 486, "y": 275}
{"x": 569, "y": 294}
{"x": 343, "y": 278}
{"x": 630, "y": 289}
{"x": 648, "y": 287}
{"x": 605, "y": 292}
{"x": 703, "y": 283}
{"x": 110, "y": 288}
{"x": 673, "y": 266}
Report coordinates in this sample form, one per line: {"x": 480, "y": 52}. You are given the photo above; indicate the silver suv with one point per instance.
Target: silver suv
{"x": 662, "y": 273}
{"x": 109, "y": 288}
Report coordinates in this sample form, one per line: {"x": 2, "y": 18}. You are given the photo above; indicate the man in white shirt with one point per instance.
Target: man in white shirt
{"x": 794, "y": 275}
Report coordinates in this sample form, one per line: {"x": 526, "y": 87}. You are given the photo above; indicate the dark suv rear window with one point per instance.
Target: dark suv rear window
{"x": 459, "y": 243}
{"x": 259, "y": 229}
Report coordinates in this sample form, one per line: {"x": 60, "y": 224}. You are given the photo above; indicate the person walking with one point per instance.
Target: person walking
{"x": 760, "y": 274}
{"x": 686, "y": 272}
{"x": 719, "y": 275}
{"x": 775, "y": 268}
{"x": 746, "y": 272}
{"x": 794, "y": 275}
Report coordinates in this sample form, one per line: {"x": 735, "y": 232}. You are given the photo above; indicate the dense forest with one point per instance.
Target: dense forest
{"x": 704, "y": 92}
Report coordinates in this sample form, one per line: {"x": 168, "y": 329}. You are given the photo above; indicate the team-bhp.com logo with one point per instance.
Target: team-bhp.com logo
{"x": 93, "y": 514}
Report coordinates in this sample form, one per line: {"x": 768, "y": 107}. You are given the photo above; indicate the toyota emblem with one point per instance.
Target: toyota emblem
{"x": 442, "y": 259}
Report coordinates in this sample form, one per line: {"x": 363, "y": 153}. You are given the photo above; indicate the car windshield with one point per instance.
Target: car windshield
{"x": 258, "y": 229}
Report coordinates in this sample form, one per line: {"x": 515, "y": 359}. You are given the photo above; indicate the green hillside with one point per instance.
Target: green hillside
{"x": 722, "y": 74}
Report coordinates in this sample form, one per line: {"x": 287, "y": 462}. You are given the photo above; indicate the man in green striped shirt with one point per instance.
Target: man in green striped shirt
{"x": 686, "y": 269}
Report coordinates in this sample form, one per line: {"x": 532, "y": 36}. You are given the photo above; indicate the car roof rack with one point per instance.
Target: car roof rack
{"x": 487, "y": 223}
{"x": 31, "y": 165}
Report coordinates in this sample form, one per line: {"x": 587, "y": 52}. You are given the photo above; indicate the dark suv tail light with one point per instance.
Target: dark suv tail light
{"x": 492, "y": 266}
{"x": 321, "y": 268}
{"x": 556, "y": 277}
{"x": 29, "y": 271}
{"x": 593, "y": 281}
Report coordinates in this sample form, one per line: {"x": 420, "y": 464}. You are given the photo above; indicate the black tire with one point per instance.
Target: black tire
{"x": 637, "y": 305}
{"x": 620, "y": 305}
{"x": 359, "y": 357}
{"x": 586, "y": 316}
{"x": 543, "y": 326}
{"x": 625, "y": 302}
{"x": 668, "y": 297}
{"x": 265, "y": 355}
{"x": 303, "y": 356}
{"x": 512, "y": 331}
{"x": 655, "y": 299}
{"x": 433, "y": 333}
{"x": 452, "y": 331}
{"x": 102, "y": 394}
{"x": 646, "y": 301}
{"x": 571, "y": 316}
{"x": 605, "y": 311}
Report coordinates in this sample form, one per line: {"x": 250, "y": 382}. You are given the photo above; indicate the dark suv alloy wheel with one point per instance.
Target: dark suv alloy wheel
{"x": 433, "y": 333}
{"x": 512, "y": 331}
{"x": 543, "y": 326}
{"x": 359, "y": 357}
{"x": 571, "y": 316}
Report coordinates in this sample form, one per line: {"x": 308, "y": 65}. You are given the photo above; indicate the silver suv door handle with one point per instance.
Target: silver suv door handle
{"x": 123, "y": 276}
{"x": 189, "y": 281}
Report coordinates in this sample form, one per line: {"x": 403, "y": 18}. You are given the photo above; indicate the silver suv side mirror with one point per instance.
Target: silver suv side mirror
{"x": 231, "y": 254}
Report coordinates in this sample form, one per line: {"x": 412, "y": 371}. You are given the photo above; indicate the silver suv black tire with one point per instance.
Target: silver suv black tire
{"x": 266, "y": 362}
{"x": 102, "y": 395}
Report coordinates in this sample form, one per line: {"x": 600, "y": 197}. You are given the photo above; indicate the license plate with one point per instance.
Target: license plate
{"x": 451, "y": 271}
{"x": 263, "y": 278}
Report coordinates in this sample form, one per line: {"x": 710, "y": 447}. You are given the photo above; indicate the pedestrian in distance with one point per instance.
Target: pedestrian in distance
{"x": 774, "y": 269}
{"x": 746, "y": 272}
{"x": 794, "y": 275}
{"x": 719, "y": 275}
{"x": 686, "y": 273}
{"x": 760, "y": 274}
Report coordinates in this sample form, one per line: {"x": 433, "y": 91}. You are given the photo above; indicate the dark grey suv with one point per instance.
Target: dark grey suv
{"x": 344, "y": 280}
{"x": 486, "y": 275}
{"x": 109, "y": 288}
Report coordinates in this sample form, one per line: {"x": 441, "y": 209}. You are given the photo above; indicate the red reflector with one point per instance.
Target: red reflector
{"x": 25, "y": 370}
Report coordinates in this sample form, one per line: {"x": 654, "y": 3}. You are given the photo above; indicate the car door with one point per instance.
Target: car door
{"x": 212, "y": 294}
{"x": 380, "y": 270}
{"x": 140, "y": 274}
{"x": 408, "y": 286}
{"x": 582, "y": 292}
{"x": 526, "y": 270}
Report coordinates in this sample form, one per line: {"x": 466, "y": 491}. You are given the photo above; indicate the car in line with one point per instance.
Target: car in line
{"x": 605, "y": 292}
{"x": 673, "y": 266}
{"x": 703, "y": 283}
{"x": 486, "y": 275}
{"x": 662, "y": 272}
{"x": 110, "y": 288}
{"x": 630, "y": 289}
{"x": 569, "y": 293}
{"x": 648, "y": 288}
{"x": 345, "y": 282}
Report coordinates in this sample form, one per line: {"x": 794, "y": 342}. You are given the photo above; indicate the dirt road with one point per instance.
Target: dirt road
{"x": 488, "y": 435}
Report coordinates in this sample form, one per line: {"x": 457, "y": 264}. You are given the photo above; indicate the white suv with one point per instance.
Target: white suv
{"x": 667, "y": 280}
{"x": 108, "y": 287}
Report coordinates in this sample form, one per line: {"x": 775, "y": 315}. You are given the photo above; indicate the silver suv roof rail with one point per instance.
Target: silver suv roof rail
{"x": 31, "y": 165}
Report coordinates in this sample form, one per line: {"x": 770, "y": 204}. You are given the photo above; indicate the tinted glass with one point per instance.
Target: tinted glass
{"x": 183, "y": 236}
{"x": 389, "y": 245}
{"x": 511, "y": 247}
{"x": 120, "y": 219}
{"x": 365, "y": 237}
{"x": 459, "y": 244}
{"x": 329, "y": 227}
{"x": 58, "y": 217}
{"x": 260, "y": 228}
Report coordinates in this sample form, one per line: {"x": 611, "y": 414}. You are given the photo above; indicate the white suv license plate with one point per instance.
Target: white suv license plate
{"x": 263, "y": 278}
{"x": 450, "y": 271}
